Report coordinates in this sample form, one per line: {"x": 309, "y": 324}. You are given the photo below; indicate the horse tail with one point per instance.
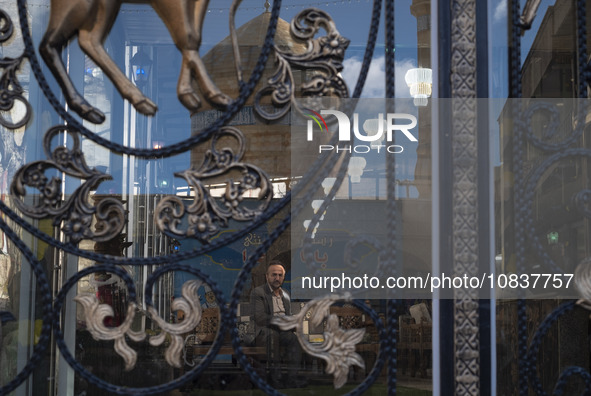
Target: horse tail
{"x": 234, "y": 38}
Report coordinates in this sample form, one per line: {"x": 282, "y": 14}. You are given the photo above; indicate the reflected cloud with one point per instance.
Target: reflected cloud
{"x": 500, "y": 13}
{"x": 375, "y": 83}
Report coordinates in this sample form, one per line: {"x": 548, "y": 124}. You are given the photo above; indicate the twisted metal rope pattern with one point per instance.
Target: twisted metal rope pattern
{"x": 310, "y": 182}
{"x": 583, "y": 63}
{"x": 518, "y": 156}
{"x": 392, "y": 230}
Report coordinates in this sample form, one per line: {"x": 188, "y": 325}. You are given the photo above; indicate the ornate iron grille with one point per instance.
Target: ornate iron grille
{"x": 79, "y": 220}
{"x": 528, "y": 174}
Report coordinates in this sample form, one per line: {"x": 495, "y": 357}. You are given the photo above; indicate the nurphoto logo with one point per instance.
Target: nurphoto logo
{"x": 393, "y": 122}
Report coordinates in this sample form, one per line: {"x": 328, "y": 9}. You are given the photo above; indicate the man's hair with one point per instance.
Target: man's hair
{"x": 276, "y": 262}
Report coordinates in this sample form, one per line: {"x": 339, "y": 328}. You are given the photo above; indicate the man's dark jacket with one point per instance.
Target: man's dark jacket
{"x": 261, "y": 299}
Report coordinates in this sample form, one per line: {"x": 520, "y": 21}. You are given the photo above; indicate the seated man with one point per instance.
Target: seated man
{"x": 271, "y": 300}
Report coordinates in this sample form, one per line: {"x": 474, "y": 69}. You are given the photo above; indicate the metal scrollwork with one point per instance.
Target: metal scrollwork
{"x": 338, "y": 348}
{"x": 550, "y": 110}
{"x": 11, "y": 90}
{"x": 189, "y": 304}
{"x": 38, "y": 191}
{"x": 205, "y": 215}
{"x": 6, "y": 26}
{"x": 560, "y": 130}
{"x": 324, "y": 55}
{"x": 188, "y": 344}
{"x": 76, "y": 213}
{"x": 95, "y": 314}
{"x": 582, "y": 200}
{"x": 582, "y": 281}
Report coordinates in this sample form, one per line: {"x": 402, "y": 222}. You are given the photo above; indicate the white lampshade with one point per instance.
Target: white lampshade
{"x": 316, "y": 204}
{"x": 356, "y": 166}
{"x": 307, "y": 224}
{"x": 328, "y": 183}
{"x": 420, "y": 82}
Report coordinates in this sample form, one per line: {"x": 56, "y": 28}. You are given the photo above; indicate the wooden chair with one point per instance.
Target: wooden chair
{"x": 352, "y": 318}
{"x": 208, "y": 326}
{"x": 415, "y": 347}
{"x": 349, "y": 317}
{"x": 206, "y": 332}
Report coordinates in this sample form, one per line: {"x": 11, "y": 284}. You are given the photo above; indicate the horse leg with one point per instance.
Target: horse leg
{"x": 184, "y": 19}
{"x": 185, "y": 92}
{"x": 193, "y": 65}
{"x": 65, "y": 20}
{"x": 210, "y": 90}
{"x": 91, "y": 41}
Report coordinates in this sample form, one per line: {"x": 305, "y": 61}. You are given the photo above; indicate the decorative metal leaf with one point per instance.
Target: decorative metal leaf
{"x": 76, "y": 213}
{"x": 11, "y": 90}
{"x": 338, "y": 348}
{"x": 6, "y": 26}
{"x": 95, "y": 314}
{"x": 342, "y": 352}
{"x": 582, "y": 279}
{"x": 206, "y": 215}
{"x": 324, "y": 55}
{"x": 190, "y": 305}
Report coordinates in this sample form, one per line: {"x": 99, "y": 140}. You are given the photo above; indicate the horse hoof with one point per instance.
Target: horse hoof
{"x": 219, "y": 99}
{"x": 146, "y": 107}
{"x": 93, "y": 115}
{"x": 190, "y": 100}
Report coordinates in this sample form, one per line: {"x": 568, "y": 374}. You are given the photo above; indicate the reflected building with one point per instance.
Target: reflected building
{"x": 562, "y": 234}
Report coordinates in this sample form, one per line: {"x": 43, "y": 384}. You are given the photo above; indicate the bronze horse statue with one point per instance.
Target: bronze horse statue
{"x": 92, "y": 20}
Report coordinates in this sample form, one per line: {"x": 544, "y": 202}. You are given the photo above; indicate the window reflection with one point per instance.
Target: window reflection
{"x": 549, "y": 70}
{"x": 140, "y": 184}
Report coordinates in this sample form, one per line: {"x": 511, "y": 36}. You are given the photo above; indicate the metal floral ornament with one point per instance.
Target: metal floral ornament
{"x": 582, "y": 281}
{"x": 95, "y": 314}
{"x": 190, "y": 305}
{"x": 203, "y": 218}
{"x": 75, "y": 212}
{"x": 323, "y": 55}
{"x": 11, "y": 91}
{"x": 338, "y": 348}
{"x": 200, "y": 217}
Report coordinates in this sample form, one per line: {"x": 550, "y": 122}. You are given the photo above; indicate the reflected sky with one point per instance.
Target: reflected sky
{"x": 352, "y": 18}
